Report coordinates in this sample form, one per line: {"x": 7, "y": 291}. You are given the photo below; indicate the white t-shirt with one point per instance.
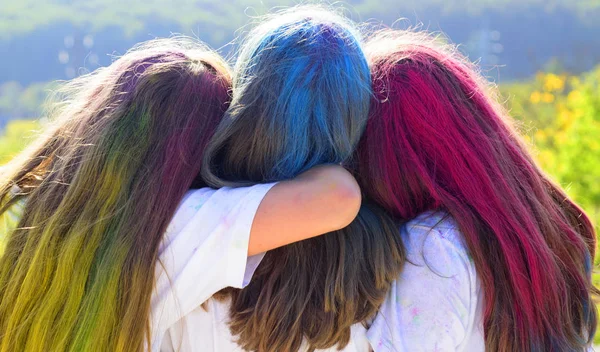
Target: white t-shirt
{"x": 435, "y": 305}
{"x": 204, "y": 250}
{"x": 437, "y": 302}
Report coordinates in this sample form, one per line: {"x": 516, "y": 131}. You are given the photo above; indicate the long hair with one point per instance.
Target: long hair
{"x": 437, "y": 139}
{"x": 78, "y": 272}
{"x": 301, "y": 98}
{"x": 301, "y": 91}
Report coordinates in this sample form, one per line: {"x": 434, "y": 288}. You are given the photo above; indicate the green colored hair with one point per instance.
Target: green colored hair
{"x": 101, "y": 187}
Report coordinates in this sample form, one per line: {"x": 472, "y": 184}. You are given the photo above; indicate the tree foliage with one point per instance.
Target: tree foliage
{"x": 16, "y": 135}
{"x": 560, "y": 116}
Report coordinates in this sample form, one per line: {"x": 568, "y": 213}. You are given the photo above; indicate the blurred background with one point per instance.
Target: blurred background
{"x": 543, "y": 54}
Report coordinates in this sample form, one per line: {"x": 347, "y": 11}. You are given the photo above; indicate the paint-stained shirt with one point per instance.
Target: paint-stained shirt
{"x": 204, "y": 250}
{"x": 435, "y": 304}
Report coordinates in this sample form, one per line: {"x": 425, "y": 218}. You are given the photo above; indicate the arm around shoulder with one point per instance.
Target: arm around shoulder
{"x": 323, "y": 199}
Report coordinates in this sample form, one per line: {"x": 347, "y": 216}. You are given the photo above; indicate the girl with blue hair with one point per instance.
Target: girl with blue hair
{"x": 300, "y": 98}
{"x": 301, "y": 92}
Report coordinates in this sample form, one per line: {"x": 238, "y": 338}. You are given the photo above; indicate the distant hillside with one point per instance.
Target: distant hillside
{"x": 133, "y": 16}
{"x": 43, "y": 40}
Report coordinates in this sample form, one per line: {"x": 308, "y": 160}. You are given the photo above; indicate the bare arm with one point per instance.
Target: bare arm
{"x": 323, "y": 199}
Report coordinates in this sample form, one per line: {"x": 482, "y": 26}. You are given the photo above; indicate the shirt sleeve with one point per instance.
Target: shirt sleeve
{"x": 204, "y": 250}
{"x": 434, "y": 305}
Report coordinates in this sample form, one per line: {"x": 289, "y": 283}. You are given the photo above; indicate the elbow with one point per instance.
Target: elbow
{"x": 334, "y": 197}
{"x": 347, "y": 199}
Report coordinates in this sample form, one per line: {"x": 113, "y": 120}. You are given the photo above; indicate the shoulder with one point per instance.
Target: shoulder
{"x": 438, "y": 260}
{"x": 218, "y": 214}
{"x": 210, "y": 202}
{"x": 434, "y": 304}
{"x": 435, "y": 240}
{"x": 191, "y": 203}
{"x": 440, "y": 224}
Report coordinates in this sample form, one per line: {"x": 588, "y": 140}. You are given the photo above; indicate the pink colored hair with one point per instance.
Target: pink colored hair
{"x": 437, "y": 139}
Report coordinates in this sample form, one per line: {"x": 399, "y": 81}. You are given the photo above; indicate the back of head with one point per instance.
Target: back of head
{"x": 436, "y": 139}
{"x": 100, "y": 189}
{"x": 301, "y": 98}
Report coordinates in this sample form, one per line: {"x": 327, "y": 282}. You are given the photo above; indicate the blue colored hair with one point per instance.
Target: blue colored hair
{"x": 301, "y": 95}
{"x": 301, "y": 92}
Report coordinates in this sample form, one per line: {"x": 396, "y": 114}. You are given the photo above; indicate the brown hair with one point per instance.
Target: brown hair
{"x": 316, "y": 289}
